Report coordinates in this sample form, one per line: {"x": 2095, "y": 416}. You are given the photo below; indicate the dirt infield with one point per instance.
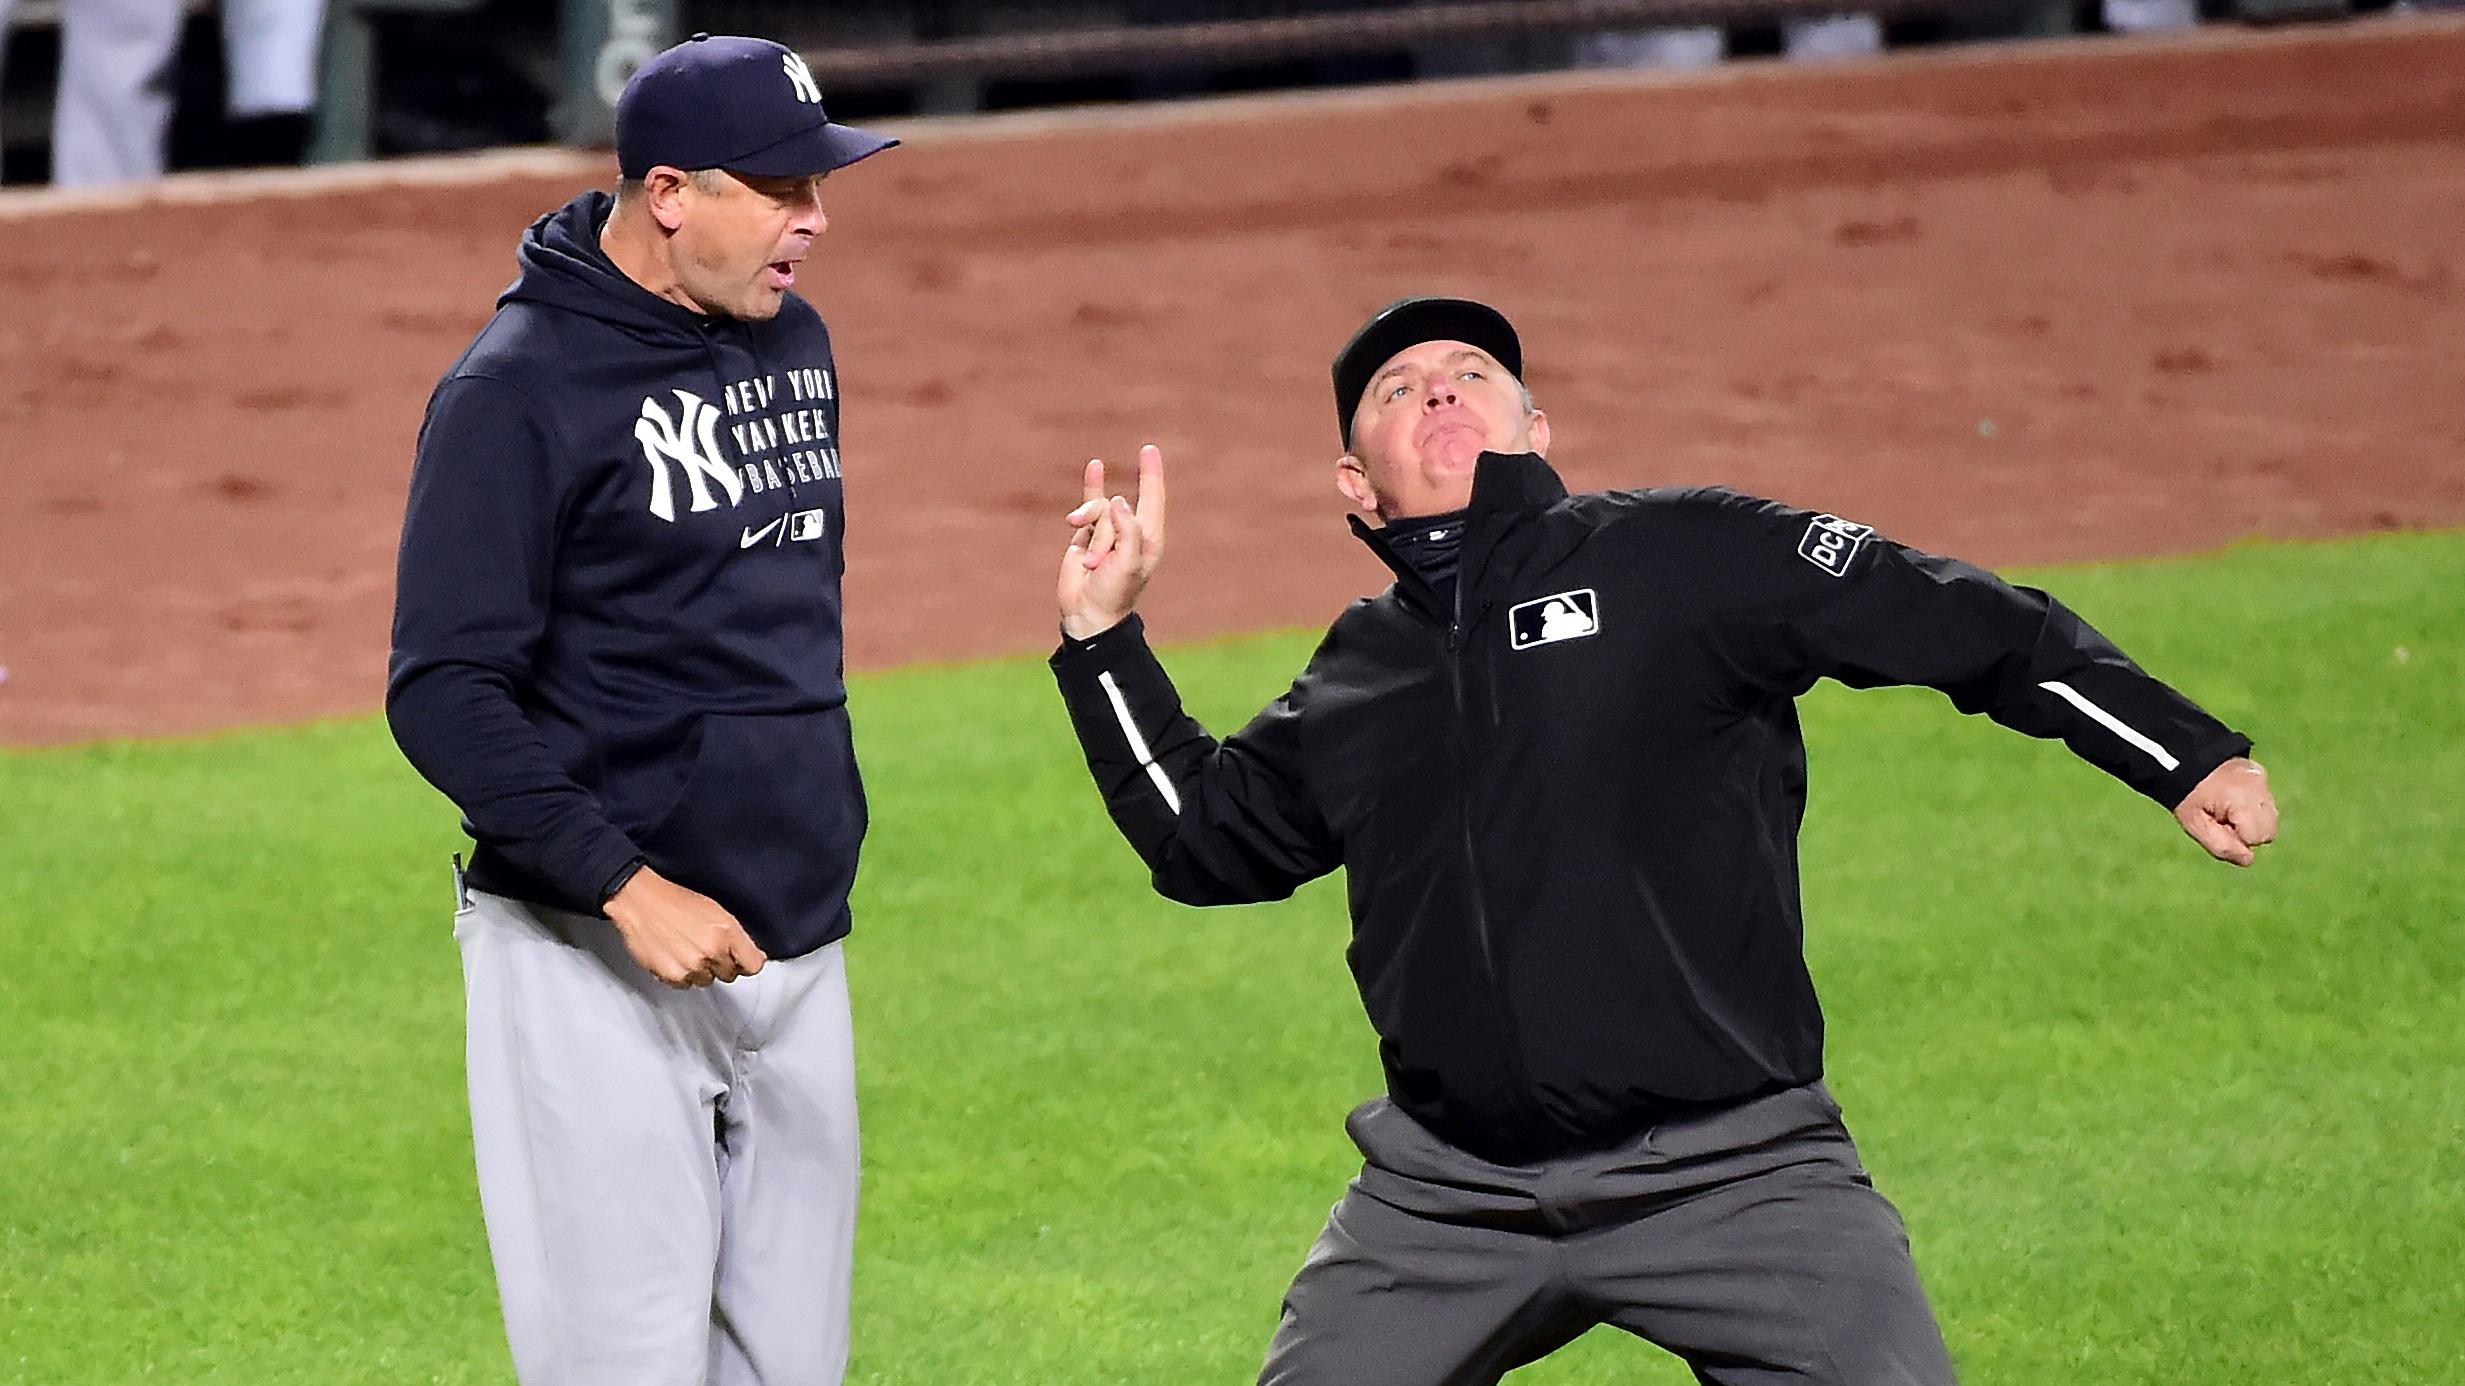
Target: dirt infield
{"x": 2065, "y": 301}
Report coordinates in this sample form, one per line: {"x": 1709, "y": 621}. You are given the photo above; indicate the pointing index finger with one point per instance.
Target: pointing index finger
{"x": 1151, "y": 491}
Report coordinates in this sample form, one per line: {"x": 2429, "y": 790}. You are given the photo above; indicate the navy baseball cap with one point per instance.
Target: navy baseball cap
{"x": 746, "y": 105}
{"x": 1408, "y": 322}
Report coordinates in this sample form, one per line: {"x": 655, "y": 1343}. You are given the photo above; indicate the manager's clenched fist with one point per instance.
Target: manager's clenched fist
{"x": 685, "y": 938}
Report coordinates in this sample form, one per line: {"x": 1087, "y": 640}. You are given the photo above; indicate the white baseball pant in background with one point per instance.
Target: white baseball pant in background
{"x": 1846, "y": 35}
{"x": 270, "y": 56}
{"x": 669, "y": 1177}
{"x": 114, "y": 104}
{"x": 112, "y": 115}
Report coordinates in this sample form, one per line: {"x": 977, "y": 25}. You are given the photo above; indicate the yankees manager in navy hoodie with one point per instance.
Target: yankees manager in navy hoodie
{"x": 617, "y": 650}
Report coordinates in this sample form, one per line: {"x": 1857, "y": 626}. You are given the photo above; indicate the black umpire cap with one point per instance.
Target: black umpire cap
{"x": 746, "y": 105}
{"x": 1408, "y": 322}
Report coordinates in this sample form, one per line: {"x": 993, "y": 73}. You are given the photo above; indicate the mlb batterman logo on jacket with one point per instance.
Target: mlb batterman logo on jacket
{"x": 1558, "y": 616}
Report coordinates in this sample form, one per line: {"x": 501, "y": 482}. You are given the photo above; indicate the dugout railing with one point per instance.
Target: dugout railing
{"x": 943, "y": 54}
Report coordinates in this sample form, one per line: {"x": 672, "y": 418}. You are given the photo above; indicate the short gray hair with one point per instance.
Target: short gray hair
{"x": 705, "y": 179}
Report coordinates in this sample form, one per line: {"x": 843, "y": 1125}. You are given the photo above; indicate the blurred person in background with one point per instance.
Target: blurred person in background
{"x": 1851, "y": 35}
{"x": 2149, "y": 16}
{"x": 270, "y": 52}
{"x": 111, "y": 118}
{"x": 1843, "y": 35}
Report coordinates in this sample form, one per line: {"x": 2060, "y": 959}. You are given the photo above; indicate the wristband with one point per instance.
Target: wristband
{"x": 617, "y": 882}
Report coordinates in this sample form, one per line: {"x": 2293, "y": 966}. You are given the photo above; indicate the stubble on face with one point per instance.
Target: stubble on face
{"x": 748, "y": 228}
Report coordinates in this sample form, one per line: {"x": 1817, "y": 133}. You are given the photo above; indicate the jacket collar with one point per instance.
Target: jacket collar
{"x": 1503, "y": 484}
{"x": 1514, "y": 481}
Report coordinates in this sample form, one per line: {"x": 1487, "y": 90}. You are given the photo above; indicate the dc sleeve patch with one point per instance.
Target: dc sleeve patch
{"x": 1558, "y": 616}
{"x": 1831, "y": 543}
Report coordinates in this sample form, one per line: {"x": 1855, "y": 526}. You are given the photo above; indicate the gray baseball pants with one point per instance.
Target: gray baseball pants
{"x": 1749, "y": 1242}
{"x": 669, "y": 1177}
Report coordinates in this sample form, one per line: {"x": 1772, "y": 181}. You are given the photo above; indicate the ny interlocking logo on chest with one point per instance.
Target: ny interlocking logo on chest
{"x": 781, "y": 438}
{"x": 1551, "y": 620}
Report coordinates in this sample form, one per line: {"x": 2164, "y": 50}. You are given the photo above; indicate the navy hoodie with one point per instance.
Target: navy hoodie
{"x": 616, "y": 622}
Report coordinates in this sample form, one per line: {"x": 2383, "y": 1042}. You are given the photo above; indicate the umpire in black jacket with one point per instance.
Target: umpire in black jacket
{"x": 1560, "y": 763}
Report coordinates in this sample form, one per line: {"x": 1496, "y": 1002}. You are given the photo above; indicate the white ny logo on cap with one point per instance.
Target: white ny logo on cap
{"x": 801, "y": 77}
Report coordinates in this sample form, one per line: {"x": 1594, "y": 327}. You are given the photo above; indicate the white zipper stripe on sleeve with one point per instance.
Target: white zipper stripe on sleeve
{"x": 1138, "y": 743}
{"x": 2109, "y": 721}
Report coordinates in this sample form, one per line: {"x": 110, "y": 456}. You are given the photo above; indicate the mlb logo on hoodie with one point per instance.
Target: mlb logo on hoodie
{"x": 1548, "y": 620}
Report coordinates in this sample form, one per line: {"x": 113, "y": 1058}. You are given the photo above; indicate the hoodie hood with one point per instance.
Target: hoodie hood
{"x": 564, "y": 268}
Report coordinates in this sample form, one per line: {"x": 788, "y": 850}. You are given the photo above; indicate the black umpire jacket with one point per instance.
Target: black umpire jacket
{"x": 1568, "y": 804}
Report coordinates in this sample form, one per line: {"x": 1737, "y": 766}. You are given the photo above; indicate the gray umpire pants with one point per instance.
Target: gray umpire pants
{"x": 1749, "y": 1242}
{"x": 669, "y": 1177}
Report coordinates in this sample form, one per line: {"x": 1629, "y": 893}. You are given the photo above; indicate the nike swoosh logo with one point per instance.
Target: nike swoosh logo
{"x": 753, "y": 536}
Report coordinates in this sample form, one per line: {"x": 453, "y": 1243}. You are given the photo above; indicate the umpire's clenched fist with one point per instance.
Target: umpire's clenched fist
{"x": 2231, "y": 812}
{"x": 685, "y": 939}
{"x": 1114, "y": 548}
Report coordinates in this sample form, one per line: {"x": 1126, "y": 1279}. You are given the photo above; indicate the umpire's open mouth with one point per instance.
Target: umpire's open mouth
{"x": 782, "y": 274}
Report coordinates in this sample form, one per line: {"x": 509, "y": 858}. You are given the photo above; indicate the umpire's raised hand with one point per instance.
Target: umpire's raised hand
{"x": 1114, "y": 549}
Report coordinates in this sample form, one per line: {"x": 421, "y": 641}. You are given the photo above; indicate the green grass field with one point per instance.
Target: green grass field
{"x": 2152, "y": 1120}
